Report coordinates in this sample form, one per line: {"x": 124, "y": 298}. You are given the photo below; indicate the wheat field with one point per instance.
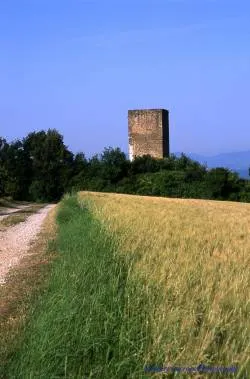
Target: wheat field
{"x": 195, "y": 254}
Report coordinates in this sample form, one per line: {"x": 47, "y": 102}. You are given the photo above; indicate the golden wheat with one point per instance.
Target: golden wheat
{"x": 196, "y": 253}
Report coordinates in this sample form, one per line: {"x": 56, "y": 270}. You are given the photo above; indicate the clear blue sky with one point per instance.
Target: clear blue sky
{"x": 78, "y": 66}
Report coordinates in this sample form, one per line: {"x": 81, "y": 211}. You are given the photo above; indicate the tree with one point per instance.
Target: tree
{"x": 114, "y": 165}
{"x": 16, "y": 170}
{"x": 223, "y": 183}
{"x": 80, "y": 172}
{"x": 52, "y": 164}
{"x": 80, "y": 164}
{"x": 3, "y": 172}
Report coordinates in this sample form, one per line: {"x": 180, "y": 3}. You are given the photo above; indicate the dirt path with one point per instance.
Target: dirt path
{"x": 5, "y": 212}
{"x": 15, "y": 241}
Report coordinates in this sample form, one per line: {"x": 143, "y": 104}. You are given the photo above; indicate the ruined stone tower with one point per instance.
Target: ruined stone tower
{"x": 148, "y": 133}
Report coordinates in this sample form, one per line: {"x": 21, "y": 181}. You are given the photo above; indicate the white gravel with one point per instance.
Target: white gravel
{"x": 15, "y": 241}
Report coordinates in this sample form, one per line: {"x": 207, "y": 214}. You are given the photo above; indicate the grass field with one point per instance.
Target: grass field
{"x": 141, "y": 281}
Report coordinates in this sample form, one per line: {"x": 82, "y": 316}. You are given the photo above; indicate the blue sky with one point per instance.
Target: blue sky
{"x": 78, "y": 66}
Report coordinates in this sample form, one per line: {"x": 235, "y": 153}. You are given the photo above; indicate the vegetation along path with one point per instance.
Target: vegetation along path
{"x": 15, "y": 240}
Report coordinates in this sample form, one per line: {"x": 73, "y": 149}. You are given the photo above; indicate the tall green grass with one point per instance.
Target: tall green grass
{"x": 91, "y": 321}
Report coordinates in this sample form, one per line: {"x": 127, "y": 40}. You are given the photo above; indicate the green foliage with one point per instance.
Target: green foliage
{"x": 223, "y": 184}
{"x": 41, "y": 168}
{"x": 37, "y": 168}
{"x": 245, "y": 192}
{"x": 3, "y": 172}
{"x": 170, "y": 184}
{"x": 127, "y": 185}
{"x": 80, "y": 164}
{"x": 144, "y": 164}
{"x": 114, "y": 165}
{"x": 51, "y": 164}
{"x": 15, "y": 168}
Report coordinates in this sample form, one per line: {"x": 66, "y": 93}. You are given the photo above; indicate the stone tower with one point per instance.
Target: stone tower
{"x": 148, "y": 133}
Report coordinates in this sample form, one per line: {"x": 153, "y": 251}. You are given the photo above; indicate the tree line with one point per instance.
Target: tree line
{"x": 41, "y": 168}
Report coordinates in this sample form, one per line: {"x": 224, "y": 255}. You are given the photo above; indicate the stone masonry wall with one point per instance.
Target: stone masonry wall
{"x": 148, "y": 133}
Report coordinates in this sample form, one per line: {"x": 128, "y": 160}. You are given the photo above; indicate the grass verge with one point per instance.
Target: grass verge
{"x": 91, "y": 321}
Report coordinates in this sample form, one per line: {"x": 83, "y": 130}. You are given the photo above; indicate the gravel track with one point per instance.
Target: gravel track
{"x": 5, "y": 212}
{"x": 15, "y": 241}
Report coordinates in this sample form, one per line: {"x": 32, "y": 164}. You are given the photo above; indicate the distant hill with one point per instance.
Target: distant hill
{"x": 237, "y": 161}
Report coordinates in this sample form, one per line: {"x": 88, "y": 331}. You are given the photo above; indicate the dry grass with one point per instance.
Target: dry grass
{"x": 196, "y": 253}
{"x": 24, "y": 283}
